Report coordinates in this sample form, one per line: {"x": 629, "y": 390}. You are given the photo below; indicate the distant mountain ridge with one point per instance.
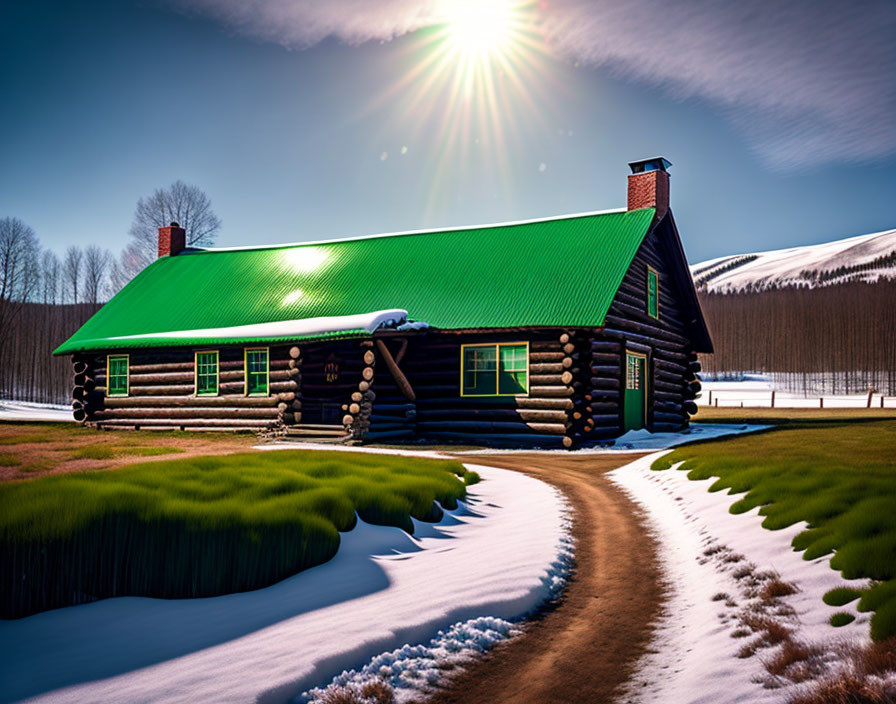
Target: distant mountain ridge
{"x": 863, "y": 258}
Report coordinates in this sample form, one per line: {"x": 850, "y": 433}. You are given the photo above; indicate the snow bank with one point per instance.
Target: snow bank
{"x": 703, "y": 547}
{"x": 300, "y": 327}
{"x": 499, "y": 554}
{"x": 23, "y": 410}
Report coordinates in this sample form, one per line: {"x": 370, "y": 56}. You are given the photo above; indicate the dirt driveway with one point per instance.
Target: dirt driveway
{"x": 586, "y": 648}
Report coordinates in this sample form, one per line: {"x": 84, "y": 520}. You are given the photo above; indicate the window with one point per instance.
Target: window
{"x": 117, "y": 375}
{"x": 495, "y": 370}
{"x": 653, "y": 309}
{"x": 256, "y": 364}
{"x": 207, "y": 373}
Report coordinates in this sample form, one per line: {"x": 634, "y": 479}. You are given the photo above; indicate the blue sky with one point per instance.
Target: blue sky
{"x": 301, "y": 120}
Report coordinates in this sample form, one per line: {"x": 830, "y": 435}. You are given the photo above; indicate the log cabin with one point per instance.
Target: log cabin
{"x": 561, "y": 332}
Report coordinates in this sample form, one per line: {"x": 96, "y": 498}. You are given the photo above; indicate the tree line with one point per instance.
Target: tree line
{"x": 839, "y": 338}
{"x": 45, "y": 297}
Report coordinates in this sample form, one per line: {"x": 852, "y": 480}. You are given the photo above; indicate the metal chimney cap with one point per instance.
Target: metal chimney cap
{"x": 656, "y": 163}
{"x": 174, "y": 223}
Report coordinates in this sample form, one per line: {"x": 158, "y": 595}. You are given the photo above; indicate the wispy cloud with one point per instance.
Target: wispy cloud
{"x": 806, "y": 81}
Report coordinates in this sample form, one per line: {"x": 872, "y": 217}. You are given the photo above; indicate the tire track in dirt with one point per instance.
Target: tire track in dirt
{"x": 586, "y": 648}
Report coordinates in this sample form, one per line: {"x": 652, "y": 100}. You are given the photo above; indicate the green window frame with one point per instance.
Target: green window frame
{"x": 496, "y": 369}
{"x": 206, "y": 365}
{"x": 258, "y": 375}
{"x": 653, "y": 285}
{"x": 117, "y": 376}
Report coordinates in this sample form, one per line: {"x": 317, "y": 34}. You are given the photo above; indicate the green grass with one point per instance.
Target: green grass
{"x": 841, "y": 596}
{"x": 838, "y": 477}
{"x": 8, "y": 459}
{"x": 202, "y": 526}
{"x": 106, "y": 452}
{"x": 841, "y": 619}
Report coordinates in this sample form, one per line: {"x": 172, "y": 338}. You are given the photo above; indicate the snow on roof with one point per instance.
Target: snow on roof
{"x": 305, "y": 327}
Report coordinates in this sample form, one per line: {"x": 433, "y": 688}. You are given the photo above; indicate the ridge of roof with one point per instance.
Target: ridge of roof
{"x": 404, "y": 233}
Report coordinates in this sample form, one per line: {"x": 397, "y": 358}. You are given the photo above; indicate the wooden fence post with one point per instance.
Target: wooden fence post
{"x": 870, "y": 393}
{"x": 821, "y": 402}
{"x": 710, "y": 397}
{"x": 773, "y": 398}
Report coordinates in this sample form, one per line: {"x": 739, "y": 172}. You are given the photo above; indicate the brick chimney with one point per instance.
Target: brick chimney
{"x": 648, "y": 185}
{"x": 172, "y": 240}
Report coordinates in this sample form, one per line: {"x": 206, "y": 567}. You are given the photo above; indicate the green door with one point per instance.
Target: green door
{"x": 635, "y": 402}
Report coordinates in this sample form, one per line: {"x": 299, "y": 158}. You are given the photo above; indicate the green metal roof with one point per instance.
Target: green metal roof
{"x": 556, "y": 272}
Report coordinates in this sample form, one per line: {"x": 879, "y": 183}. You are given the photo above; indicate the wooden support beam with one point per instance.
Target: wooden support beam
{"x": 400, "y": 379}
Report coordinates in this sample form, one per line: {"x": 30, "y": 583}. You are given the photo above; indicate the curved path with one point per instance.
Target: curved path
{"x": 586, "y": 648}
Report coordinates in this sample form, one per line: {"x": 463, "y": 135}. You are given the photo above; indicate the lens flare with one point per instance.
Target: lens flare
{"x": 476, "y": 80}
{"x": 479, "y": 28}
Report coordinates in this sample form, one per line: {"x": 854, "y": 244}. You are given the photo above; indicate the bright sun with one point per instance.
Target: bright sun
{"x": 479, "y": 27}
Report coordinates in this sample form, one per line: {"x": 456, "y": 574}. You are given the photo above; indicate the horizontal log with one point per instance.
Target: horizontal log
{"x": 546, "y": 380}
{"x": 544, "y": 346}
{"x": 183, "y": 422}
{"x": 490, "y": 427}
{"x": 550, "y": 391}
{"x": 535, "y": 357}
{"x": 271, "y": 414}
{"x": 295, "y": 352}
{"x": 608, "y": 346}
{"x": 601, "y": 370}
{"x": 606, "y": 420}
{"x": 663, "y": 417}
{"x": 523, "y": 402}
{"x": 79, "y": 367}
{"x": 689, "y": 407}
{"x": 378, "y": 436}
{"x": 547, "y": 368}
{"x": 236, "y": 401}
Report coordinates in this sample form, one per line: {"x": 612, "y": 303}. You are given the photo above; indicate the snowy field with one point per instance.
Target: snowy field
{"x": 500, "y": 555}
{"x": 24, "y": 410}
{"x": 703, "y": 546}
{"x": 755, "y": 390}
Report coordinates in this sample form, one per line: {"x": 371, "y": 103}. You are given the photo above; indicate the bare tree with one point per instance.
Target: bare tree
{"x": 71, "y": 272}
{"x": 184, "y": 203}
{"x": 19, "y": 278}
{"x": 49, "y": 276}
{"x": 96, "y": 265}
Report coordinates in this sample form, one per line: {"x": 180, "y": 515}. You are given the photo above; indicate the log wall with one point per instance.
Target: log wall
{"x": 161, "y": 392}
{"x": 671, "y": 367}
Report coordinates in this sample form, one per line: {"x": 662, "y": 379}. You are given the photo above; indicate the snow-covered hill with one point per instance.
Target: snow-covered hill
{"x": 863, "y": 258}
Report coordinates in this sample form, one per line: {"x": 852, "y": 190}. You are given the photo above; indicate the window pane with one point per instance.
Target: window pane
{"x": 480, "y": 371}
{"x": 207, "y": 373}
{"x": 513, "y": 373}
{"x": 257, "y": 371}
{"x": 652, "y": 305}
{"x": 118, "y": 376}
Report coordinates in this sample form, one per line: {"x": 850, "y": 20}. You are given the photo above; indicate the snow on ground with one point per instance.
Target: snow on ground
{"x": 500, "y": 554}
{"x": 694, "y": 656}
{"x": 755, "y": 390}
{"x": 25, "y": 410}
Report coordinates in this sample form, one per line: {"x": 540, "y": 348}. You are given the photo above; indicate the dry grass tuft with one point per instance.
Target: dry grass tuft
{"x": 794, "y": 660}
{"x": 743, "y": 572}
{"x": 721, "y": 596}
{"x": 340, "y": 695}
{"x": 846, "y": 689}
{"x": 776, "y": 588}
{"x": 878, "y": 658}
{"x": 379, "y": 691}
